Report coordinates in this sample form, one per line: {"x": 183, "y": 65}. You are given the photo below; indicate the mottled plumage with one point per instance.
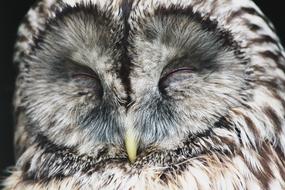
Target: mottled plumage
{"x": 148, "y": 94}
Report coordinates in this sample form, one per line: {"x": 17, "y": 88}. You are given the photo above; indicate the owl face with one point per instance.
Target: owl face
{"x": 96, "y": 77}
{"x": 149, "y": 94}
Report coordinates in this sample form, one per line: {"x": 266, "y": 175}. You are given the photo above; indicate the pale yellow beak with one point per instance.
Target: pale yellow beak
{"x": 131, "y": 145}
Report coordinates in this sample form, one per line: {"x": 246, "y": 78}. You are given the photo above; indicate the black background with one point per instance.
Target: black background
{"x": 12, "y": 11}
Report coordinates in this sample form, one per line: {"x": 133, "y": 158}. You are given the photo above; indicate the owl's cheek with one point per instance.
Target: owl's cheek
{"x": 196, "y": 101}
{"x": 181, "y": 89}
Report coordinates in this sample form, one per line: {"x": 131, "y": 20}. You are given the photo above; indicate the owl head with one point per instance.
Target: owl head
{"x": 125, "y": 78}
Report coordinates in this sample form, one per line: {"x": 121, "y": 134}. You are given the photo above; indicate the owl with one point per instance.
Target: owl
{"x": 148, "y": 94}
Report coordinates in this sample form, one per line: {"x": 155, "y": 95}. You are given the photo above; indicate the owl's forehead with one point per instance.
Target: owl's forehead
{"x": 46, "y": 10}
{"x": 102, "y": 34}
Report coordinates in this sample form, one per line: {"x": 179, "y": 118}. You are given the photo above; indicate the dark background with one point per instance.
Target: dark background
{"x": 12, "y": 11}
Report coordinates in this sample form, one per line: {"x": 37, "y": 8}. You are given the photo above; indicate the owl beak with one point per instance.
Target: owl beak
{"x": 131, "y": 145}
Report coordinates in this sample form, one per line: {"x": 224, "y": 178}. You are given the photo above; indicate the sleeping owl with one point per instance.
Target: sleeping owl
{"x": 148, "y": 94}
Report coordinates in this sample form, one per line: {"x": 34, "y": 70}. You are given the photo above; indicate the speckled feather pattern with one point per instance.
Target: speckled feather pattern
{"x": 243, "y": 149}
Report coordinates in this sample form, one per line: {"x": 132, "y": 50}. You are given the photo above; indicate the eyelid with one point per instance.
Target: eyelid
{"x": 80, "y": 70}
{"x": 189, "y": 69}
{"x": 93, "y": 76}
{"x": 89, "y": 81}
